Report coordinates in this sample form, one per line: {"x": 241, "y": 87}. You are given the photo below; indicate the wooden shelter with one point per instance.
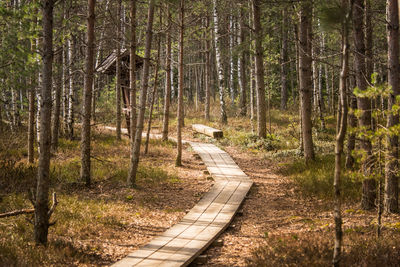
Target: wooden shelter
{"x": 108, "y": 67}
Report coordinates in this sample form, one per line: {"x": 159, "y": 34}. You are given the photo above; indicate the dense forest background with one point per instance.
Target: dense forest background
{"x": 305, "y": 90}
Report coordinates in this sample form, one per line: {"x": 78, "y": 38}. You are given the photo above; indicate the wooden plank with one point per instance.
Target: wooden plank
{"x": 200, "y": 128}
{"x": 182, "y": 243}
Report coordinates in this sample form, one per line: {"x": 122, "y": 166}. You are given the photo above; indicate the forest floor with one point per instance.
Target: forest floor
{"x": 286, "y": 219}
{"x": 99, "y": 225}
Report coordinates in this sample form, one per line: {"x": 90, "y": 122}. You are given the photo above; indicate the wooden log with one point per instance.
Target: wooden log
{"x": 215, "y": 133}
{"x": 17, "y": 212}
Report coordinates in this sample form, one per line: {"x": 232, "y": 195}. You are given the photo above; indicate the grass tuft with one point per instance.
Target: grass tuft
{"x": 315, "y": 179}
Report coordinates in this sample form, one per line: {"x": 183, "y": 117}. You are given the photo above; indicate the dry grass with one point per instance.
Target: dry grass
{"x": 97, "y": 225}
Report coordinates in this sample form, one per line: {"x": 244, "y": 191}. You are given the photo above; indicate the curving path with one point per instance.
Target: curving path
{"x": 183, "y": 242}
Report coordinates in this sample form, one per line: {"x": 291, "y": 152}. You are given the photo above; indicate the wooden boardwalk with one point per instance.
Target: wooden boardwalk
{"x": 183, "y": 242}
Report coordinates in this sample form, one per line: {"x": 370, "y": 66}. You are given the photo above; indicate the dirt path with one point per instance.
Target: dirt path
{"x": 270, "y": 208}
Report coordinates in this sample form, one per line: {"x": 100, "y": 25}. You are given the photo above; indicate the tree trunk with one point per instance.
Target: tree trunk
{"x": 207, "y": 75}
{"x": 143, "y": 94}
{"x": 340, "y": 136}
{"x": 178, "y": 161}
{"x": 31, "y": 119}
{"x": 364, "y": 105}
{"x": 305, "y": 63}
{"x": 284, "y": 61}
{"x": 260, "y": 87}
{"x": 242, "y": 64}
{"x": 153, "y": 94}
{"x": 132, "y": 90}
{"x": 71, "y": 93}
{"x": 118, "y": 72}
{"x": 220, "y": 69}
{"x": 57, "y": 105}
{"x": 87, "y": 95}
{"x": 42, "y": 189}
{"x": 231, "y": 60}
{"x": 167, "y": 96}
{"x": 391, "y": 202}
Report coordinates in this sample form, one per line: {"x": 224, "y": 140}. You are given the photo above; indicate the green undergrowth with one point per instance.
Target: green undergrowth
{"x": 315, "y": 179}
{"x": 362, "y": 248}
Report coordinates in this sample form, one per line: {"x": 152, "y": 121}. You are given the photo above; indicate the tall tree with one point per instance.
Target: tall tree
{"x": 207, "y": 72}
{"x": 178, "y": 161}
{"x": 42, "y": 213}
{"x": 363, "y": 103}
{"x": 284, "y": 60}
{"x": 341, "y": 133}
{"x": 143, "y": 94}
{"x": 242, "y": 63}
{"x": 118, "y": 71}
{"x": 305, "y": 76}
{"x": 391, "y": 167}
{"x": 132, "y": 88}
{"x": 218, "y": 59}
{"x": 57, "y": 104}
{"x": 167, "y": 95}
{"x": 259, "y": 65}
{"x": 87, "y": 95}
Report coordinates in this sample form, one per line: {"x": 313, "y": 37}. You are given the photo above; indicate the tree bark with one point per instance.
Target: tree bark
{"x": 207, "y": 75}
{"x": 167, "y": 96}
{"x": 71, "y": 92}
{"x": 363, "y": 103}
{"x": 284, "y": 61}
{"x": 153, "y": 93}
{"x": 42, "y": 190}
{"x": 391, "y": 202}
{"x": 118, "y": 72}
{"x": 87, "y": 95}
{"x": 305, "y": 63}
{"x": 178, "y": 161}
{"x": 340, "y": 136}
{"x": 220, "y": 69}
{"x": 260, "y": 87}
{"x": 231, "y": 60}
{"x": 31, "y": 119}
{"x": 143, "y": 94}
{"x": 57, "y": 105}
{"x": 132, "y": 90}
{"x": 242, "y": 64}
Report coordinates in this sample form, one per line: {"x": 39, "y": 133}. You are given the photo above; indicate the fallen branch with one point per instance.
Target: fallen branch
{"x": 17, "y": 212}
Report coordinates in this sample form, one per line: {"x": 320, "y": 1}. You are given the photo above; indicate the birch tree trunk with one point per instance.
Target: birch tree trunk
{"x": 87, "y": 95}
{"x": 242, "y": 63}
{"x": 71, "y": 92}
{"x": 57, "y": 105}
{"x": 220, "y": 69}
{"x": 260, "y": 87}
{"x": 31, "y": 119}
{"x": 167, "y": 96}
{"x": 391, "y": 202}
{"x": 305, "y": 63}
{"x": 132, "y": 90}
{"x": 42, "y": 190}
{"x": 143, "y": 94}
{"x": 207, "y": 74}
{"x": 178, "y": 161}
{"x": 340, "y": 136}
